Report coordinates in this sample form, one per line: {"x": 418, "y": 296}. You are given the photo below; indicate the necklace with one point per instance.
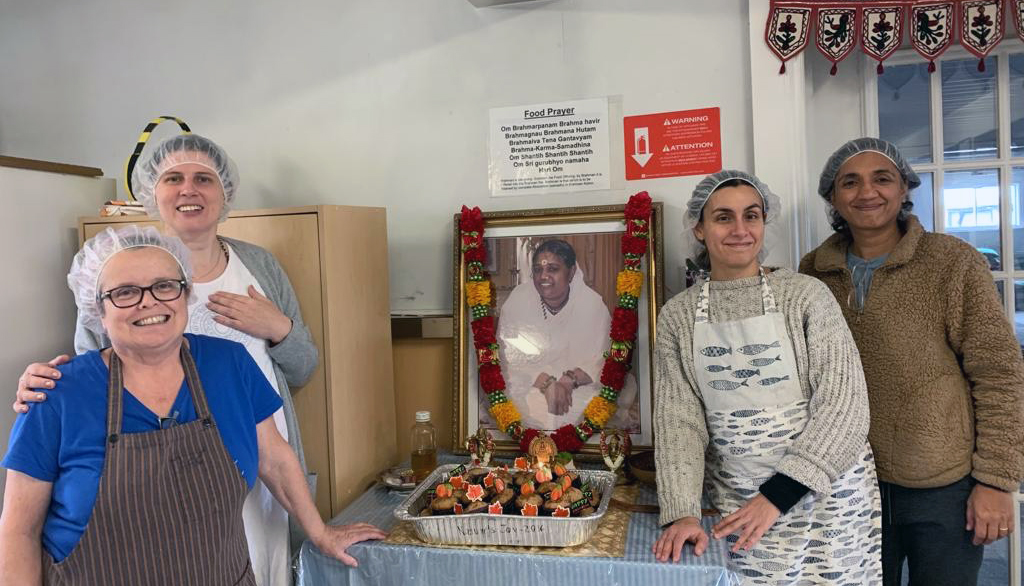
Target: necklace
{"x": 225, "y": 255}
{"x": 547, "y": 309}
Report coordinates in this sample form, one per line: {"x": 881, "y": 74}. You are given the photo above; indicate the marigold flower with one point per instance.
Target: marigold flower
{"x": 599, "y": 410}
{"x": 629, "y": 283}
{"x": 478, "y": 292}
{"x": 505, "y": 414}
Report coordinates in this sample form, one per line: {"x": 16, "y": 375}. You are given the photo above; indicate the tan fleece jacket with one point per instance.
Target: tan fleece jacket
{"x": 944, "y": 371}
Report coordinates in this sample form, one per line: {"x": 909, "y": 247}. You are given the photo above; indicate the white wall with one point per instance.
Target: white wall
{"x": 38, "y": 239}
{"x": 834, "y": 115}
{"x": 378, "y": 102}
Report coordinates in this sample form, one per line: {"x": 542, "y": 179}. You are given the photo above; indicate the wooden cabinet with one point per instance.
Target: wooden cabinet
{"x": 336, "y": 258}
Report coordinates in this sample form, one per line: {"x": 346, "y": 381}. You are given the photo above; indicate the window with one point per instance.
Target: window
{"x": 963, "y": 132}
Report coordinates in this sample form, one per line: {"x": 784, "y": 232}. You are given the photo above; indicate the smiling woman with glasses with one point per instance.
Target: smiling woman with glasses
{"x": 160, "y": 429}
{"x": 943, "y": 368}
{"x": 129, "y": 295}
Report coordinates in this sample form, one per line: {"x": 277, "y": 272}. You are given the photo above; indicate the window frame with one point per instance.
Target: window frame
{"x": 1004, "y": 163}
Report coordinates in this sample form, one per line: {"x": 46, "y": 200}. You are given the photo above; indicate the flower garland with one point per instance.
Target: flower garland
{"x": 568, "y": 438}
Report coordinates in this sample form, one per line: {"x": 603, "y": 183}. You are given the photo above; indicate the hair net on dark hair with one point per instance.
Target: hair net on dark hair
{"x": 703, "y": 192}
{"x": 827, "y": 179}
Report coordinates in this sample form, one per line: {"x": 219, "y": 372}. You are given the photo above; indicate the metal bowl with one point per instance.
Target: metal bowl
{"x": 641, "y": 466}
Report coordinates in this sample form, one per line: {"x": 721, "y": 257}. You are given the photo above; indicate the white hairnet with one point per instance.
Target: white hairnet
{"x": 176, "y": 150}
{"x": 702, "y": 193}
{"x": 827, "y": 180}
{"x": 86, "y": 267}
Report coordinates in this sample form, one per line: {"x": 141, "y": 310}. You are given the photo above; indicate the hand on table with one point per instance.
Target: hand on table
{"x": 989, "y": 514}
{"x": 37, "y": 376}
{"x": 672, "y": 540}
{"x": 750, "y": 521}
{"x": 253, "y": 314}
{"x": 334, "y": 540}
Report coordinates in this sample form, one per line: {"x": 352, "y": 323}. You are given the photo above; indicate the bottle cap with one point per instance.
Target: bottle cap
{"x": 422, "y": 416}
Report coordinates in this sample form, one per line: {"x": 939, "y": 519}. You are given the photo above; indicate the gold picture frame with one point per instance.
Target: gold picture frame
{"x": 594, "y": 235}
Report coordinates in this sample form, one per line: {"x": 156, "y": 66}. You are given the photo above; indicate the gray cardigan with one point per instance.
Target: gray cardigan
{"x": 295, "y": 358}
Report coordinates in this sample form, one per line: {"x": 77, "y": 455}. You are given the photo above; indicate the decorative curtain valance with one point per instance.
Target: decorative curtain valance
{"x": 879, "y": 26}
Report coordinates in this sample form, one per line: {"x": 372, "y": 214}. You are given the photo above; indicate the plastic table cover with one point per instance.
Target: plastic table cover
{"x": 384, "y": 564}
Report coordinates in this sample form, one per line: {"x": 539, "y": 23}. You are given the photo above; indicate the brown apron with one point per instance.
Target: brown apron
{"x": 169, "y": 505}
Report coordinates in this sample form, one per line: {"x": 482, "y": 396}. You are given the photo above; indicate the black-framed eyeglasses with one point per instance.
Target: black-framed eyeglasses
{"x": 131, "y": 295}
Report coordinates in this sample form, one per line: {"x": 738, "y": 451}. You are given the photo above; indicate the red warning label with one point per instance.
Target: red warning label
{"x": 671, "y": 144}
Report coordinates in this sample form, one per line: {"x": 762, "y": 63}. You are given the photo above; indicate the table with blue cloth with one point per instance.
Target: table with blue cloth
{"x": 382, "y": 564}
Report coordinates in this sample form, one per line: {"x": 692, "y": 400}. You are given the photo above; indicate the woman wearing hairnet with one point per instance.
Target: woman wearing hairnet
{"x": 241, "y": 294}
{"x": 136, "y": 472}
{"x": 756, "y": 369}
{"x": 943, "y": 368}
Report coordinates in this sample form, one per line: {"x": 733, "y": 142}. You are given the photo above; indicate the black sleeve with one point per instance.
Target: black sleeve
{"x": 783, "y": 492}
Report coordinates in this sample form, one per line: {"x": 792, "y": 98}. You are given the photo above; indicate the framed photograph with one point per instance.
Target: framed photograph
{"x": 554, "y": 276}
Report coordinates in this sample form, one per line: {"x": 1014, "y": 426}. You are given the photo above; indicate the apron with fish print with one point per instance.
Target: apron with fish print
{"x": 755, "y": 409}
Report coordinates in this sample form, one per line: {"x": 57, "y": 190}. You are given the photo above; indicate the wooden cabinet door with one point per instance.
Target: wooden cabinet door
{"x": 93, "y": 228}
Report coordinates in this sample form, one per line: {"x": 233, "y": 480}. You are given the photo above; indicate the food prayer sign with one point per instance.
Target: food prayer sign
{"x": 549, "y": 148}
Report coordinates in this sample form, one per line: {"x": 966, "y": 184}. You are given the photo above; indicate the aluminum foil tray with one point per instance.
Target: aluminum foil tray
{"x": 485, "y": 529}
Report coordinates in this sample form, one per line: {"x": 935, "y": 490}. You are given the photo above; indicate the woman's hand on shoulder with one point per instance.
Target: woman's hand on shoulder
{"x": 37, "y": 376}
{"x": 673, "y": 538}
{"x": 334, "y": 540}
{"x": 253, "y": 314}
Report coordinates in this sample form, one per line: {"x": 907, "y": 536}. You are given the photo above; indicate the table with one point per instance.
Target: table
{"x": 385, "y": 564}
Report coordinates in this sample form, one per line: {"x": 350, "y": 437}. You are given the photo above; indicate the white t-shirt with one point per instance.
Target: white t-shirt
{"x": 266, "y": 521}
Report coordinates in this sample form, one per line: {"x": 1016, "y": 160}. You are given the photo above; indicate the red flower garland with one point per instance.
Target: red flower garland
{"x": 568, "y": 438}
{"x": 491, "y": 378}
{"x": 624, "y": 324}
{"x": 613, "y": 374}
{"x": 483, "y": 332}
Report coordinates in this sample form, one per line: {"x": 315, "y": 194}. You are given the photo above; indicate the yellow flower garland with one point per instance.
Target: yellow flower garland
{"x": 600, "y": 410}
{"x": 629, "y": 283}
{"x": 505, "y": 414}
{"x": 478, "y": 293}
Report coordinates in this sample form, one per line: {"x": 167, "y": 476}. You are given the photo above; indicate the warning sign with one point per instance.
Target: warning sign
{"x": 670, "y": 144}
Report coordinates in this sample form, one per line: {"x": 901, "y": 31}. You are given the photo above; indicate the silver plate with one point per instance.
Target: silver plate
{"x": 485, "y": 529}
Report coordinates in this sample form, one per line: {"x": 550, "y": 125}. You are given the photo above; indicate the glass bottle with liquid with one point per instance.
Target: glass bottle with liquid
{"x": 423, "y": 446}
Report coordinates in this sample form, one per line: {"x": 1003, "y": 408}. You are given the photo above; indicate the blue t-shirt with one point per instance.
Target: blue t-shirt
{"x": 63, "y": 439}
{"x": 862, "y": 271}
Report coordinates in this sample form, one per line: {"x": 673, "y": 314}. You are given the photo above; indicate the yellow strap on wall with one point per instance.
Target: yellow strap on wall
{"x": 129, "y": 165}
